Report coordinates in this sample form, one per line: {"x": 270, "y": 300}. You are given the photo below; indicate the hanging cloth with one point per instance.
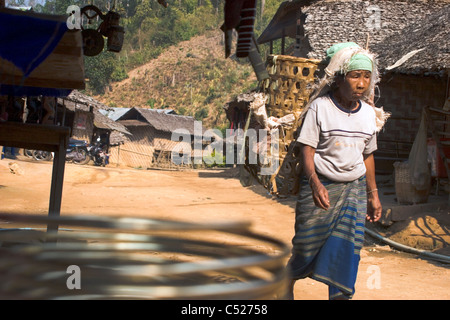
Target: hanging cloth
{"x": 418, "y": 158}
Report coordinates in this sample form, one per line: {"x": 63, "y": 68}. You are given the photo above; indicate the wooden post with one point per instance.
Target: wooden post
{"x": 54, "y": 208}
{"x": 118, "y": 155}
{"x": 298, "y": 34}
{"x": 63, "y": 121}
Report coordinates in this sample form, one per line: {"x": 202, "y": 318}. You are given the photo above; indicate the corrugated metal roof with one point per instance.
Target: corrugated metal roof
{"x": 114, "y": 113}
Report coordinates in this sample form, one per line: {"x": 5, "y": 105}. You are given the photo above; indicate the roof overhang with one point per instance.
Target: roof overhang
{"x": 283, "y": 23}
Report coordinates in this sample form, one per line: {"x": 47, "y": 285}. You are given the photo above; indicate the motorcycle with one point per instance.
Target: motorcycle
{"x": 38, "y": 155}
{"x": 98, "y": 154}
{"x": 77, "y": 151}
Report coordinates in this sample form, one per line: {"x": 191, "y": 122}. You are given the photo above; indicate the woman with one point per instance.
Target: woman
{"x": 338, "y": 138}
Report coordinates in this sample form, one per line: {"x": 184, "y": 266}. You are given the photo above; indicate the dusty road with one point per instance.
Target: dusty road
{"x": 203, "y": 196}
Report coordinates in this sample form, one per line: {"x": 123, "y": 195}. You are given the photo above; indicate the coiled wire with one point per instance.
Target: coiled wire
{"x": 135, "y": 258}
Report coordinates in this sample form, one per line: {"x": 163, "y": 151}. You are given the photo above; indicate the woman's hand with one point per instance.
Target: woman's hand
{"x": 319, "y": 192}
{"x": 374, "y": 207}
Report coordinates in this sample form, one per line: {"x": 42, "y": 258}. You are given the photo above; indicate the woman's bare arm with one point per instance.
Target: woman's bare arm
{"x": 319, "y": 192}
{"x": 374, "y": 208}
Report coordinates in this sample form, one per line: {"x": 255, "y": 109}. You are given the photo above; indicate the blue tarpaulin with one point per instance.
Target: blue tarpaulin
{"x": 26, "y": 41}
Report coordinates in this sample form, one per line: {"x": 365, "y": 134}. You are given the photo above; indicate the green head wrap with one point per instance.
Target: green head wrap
{"x": 345, "y": 57}
{"x": 359, "y": 61}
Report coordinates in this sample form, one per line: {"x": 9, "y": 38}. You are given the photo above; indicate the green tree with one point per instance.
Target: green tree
{"x": 99, "y": 70}
{"x": 149, "y": 28}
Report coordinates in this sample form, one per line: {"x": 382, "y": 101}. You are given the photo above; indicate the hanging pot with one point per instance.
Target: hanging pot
{"x": 93, "y": 42}
{"x": 115, "y": 38}
{"x": 110, "y": 19}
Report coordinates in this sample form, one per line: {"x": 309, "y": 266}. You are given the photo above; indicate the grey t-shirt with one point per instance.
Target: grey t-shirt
{"x": 340, "y": 138}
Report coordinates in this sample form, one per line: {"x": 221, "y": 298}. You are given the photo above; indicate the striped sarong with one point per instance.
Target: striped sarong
{"x": 327, "y": 243}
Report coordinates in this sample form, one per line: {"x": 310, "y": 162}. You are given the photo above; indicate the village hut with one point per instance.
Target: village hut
{"x": 317, "y": 24}
{"x": 384, "y": 27}
{"x": 151, "y": 142}
{"x": 84, "y": 115}
{"x": 415, "y": 65}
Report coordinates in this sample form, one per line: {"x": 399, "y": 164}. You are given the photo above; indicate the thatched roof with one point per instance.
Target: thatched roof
{"x": 422, "y": 47}
{"x": 80, "y": 101}
{"x": 158, "y": 119}
{"x": 327, "y": 22}
{"x": 76, "y": 99}
{"x": 283, "y": 22}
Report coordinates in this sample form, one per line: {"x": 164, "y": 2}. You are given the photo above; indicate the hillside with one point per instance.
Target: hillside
{"x": 192, "y": 78}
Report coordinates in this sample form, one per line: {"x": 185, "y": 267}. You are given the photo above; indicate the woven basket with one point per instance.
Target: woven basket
{"x": 290, "y": 84}
{"x": 288, "y": 89}
{"x": 405, "y": 191}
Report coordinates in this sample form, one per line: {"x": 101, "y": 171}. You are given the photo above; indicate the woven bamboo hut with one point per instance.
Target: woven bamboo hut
{"x": 84, "y": 115}
{"x": 150, "y": 143}
{"x": 315, "y": 26}
{"x": 382, "y": 25}
{"x": 415, "y": 66}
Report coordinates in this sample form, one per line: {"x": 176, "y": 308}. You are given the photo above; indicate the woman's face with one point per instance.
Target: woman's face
{"x": 354, "y": 84}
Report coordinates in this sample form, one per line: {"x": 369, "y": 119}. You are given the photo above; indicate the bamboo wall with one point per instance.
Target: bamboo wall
{"x": 143, "y": 149}
{"x": 136, "y": 152}
{"x": 83, "y": 125}
{"x": 405, "y": 96}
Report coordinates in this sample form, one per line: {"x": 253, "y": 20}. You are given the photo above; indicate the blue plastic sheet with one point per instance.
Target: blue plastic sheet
{"x": 28, "y": 41}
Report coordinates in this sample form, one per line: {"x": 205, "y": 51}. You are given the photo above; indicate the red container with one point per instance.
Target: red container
{"x": 437, "y": 165}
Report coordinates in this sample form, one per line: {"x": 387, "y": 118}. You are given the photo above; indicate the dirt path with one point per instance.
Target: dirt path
{"x": 203, "y": 196}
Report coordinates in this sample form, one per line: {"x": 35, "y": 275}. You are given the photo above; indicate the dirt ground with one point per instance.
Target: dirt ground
{"x": 217, "y": 195}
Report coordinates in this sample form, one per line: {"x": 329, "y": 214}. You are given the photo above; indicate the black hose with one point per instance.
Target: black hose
{"x": 402, "y": 247}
